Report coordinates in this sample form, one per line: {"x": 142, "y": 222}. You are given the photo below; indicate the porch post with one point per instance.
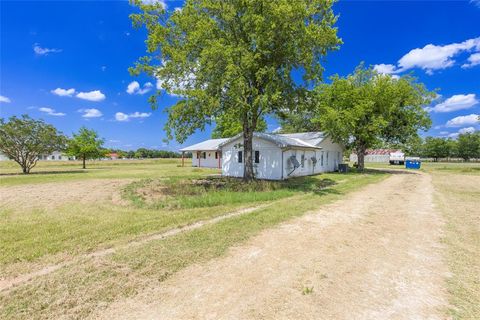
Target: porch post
{"x": 183, "y": 158}
{"x": 219, "y": 159}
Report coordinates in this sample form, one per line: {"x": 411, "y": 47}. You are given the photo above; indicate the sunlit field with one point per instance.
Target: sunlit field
{"x": 81, "y": 224}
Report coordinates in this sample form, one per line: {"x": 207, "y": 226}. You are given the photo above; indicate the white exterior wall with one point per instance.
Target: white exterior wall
{"x": 56, "y": 156}
{"x": 335, "y": 155}
{"x": 369, "y": 158}
{"x": 208, "y": 162}
{"x": 269, "y": 166}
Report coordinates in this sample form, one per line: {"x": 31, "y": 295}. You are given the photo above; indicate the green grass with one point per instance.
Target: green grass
{"x": 78, "y": 290}
{"x": 59, "y": 171}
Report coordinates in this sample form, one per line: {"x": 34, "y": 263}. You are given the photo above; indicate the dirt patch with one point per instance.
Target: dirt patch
{"x": 374, "y": 255}
{"x": 50, "y": 195}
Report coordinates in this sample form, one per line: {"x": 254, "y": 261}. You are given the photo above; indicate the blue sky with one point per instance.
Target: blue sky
{"x": 66, "y": 62}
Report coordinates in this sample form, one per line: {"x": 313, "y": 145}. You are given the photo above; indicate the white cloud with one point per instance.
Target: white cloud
{"x": 453, "y": 135}
{"x": 385, "y": 68}
{"x": 456, "y": 102}
{"x": 432, "y": 57}
{"x": 161, "y": 2}
{"x": 90, "y": 113}
{"x": 51, "y": 112}
{"x": 44, "y": 51}
{"x": 63, "y": 92}
{"x": 103, "y": 68}
{"x": 134, "y": 88}
{"x": 95, "y": 95}
{"x": 120, "y": 116}
{"x": 5, "y": 99}
{"x": 463, "y": 121}
{"x": 466, "y": 130}
{"x": 473, "y": 60}
{"x": 475, "y": 2}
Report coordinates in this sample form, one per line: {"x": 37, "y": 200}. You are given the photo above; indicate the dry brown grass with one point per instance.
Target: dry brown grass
{"x": 458, "y": 198}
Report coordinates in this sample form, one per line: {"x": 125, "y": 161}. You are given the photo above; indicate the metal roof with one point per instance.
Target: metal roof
{"x": 313, "y": 138}
{"x": 208, "y": 145}
{"x": 280, "y": 140}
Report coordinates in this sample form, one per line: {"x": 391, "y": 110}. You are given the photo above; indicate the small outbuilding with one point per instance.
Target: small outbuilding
{"x": 377, "y": 155}
{"x": 206, "y": 154}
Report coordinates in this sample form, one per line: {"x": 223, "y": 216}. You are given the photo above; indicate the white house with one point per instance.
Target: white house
{"x": 55, "y": 156}
{"x": 206, "y": 154}
{"x": 277, "y": 156}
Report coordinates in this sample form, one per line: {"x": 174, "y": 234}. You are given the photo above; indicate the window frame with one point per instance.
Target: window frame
{"x": 240, "y": 156}
{"x": 256, "y": 156}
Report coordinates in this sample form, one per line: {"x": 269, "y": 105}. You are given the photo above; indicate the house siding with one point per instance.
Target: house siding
{"x": 208, "y": 162}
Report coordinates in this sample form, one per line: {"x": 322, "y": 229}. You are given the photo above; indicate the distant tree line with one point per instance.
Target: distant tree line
{"x": 143, "y": 153}
{"x": 466, "y": 147}
{"x": 25, "y": 140}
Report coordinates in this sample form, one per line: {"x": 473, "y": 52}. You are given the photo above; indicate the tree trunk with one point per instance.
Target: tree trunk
{"x": 248, "y": 151}
{"x": 361, "y": 157}
{"x": 24, "y": 169}
{"x": 83, "y": 158}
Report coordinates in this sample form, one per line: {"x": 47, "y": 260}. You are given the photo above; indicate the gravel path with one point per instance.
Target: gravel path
{"x": 374, "y": 255}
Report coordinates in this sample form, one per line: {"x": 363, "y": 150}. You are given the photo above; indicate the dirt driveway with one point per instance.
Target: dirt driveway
{"x": 374, "y": 255}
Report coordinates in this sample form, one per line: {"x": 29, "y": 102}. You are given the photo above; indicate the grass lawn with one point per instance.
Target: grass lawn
{"x": 31, "y": 238}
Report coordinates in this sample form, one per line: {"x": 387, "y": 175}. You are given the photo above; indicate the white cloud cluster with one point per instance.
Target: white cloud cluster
{"x": 63, "y": 92}
{"x": 473, "y": 60}
{"x": 161, "y": 2}
{"x": 91, "y": 113}
{"x": 456, "y": 102}
{"x": 51, "y": 112}
{"x": 95, "y": 95}
{"x": 44, "y": 51}
{"x": 433, "y": 57}
{"x": 463, "y": 121}
{"x": 5, "y": 99}
{"x": 120, "y": 116}
{"x": 466, "y": 130}
{"x": 135, "y": 88}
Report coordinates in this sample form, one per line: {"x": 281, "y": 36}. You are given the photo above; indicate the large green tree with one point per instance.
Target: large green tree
{"x": 437, "y": 147}
{"x": 366, "y": 108}
{"x": 86, "y": 144}
{"x": 24, "y": 139}
{"x": 468, "y": 145}
{"x": 234, "y": 58}
{"x": 226, "y": 126}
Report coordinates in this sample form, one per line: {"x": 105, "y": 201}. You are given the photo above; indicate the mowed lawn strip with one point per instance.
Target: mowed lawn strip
{"x": 457, "y": 196}
{"x": 77, "y": 290}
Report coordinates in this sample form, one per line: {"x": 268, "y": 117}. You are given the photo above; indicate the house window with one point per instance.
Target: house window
{"x": 327, "y": 157}
{"x": 257, "y": 156}
{"x": 59, "y": 157}
{"x": 216, "y": 155}
{"x": 240, "y": 156}
{"x": 204, "y": 155}
{"x": 321, "y": 159}
{"x": 302, "y": 160}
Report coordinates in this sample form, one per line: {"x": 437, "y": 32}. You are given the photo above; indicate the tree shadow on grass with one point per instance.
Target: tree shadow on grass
{"x": 43, "y": 172}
